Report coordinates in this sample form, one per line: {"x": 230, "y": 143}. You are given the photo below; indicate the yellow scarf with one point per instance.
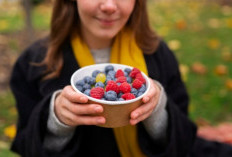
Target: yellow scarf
{"x": 124, "y": 51}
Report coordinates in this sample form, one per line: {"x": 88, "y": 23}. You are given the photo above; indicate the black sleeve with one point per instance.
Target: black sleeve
{"x": 32, "y": 106}
{"x": 181, "y": 131}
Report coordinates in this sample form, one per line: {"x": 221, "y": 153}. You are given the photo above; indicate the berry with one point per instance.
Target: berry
{"x": 111, "y": 95}
{"x": 134, "y": 91}
{"x": 97, "y": 92}
{"x": 100, "y": 84}
{"x": 125, "y": 87}
{"x": 87, "y": 92}
{"x": 128, "y": 96}
{"x": 80, "y": 83}
{"x": 108, "y": 68}
{"x": 129, "y": 79}
{"x": 101, "y": 77}
{"x": 142, "y": 89}
{"x": 111, "y": 73}
{"x": 134, "y": 72}
{"x": 137, "y": 84}
{"x": 140, "y": 77}
{"x": 80, "y": 88}
{"x": 119, "y": 73}
{"x": 89, "y": 80}
{"x": 95, "y": 72}
{"x": 86, "y": 86}
{"x": 139, "y": 94}
{"x": 127, "y": 70}
{"x": 120, "y": 99}
{"x": 111, "y": 85}
{"x": 121, "y": 79}
{"x": 120, "y": 95}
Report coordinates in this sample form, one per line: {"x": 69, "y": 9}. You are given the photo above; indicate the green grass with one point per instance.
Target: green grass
{"x": 210, "y": 99}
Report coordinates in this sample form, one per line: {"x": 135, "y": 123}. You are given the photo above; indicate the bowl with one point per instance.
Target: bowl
{"x": 117, "y": 113}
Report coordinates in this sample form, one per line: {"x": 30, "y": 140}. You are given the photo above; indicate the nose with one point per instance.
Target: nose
{"x": 109, "y": 6}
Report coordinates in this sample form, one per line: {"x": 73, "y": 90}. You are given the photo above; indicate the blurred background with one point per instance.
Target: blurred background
{"x": 198, "y": 31}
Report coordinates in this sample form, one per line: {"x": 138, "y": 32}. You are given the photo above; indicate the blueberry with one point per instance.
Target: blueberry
{"x": 120, "y": 99}
{"x": 108, "y": 68}
{"x": 142, "y": 89}
{"x": 87, "y": 92}
{"x": 111, "y": 95}
{"x": 80, "y": 83}
{"x": 129, "y": 79}
{"x": 99, "y": 84}
{"x": 86, "y": 86}
{"x": 134, "y": 91}
{"x": 95, "y": 72}
{"x": 111, "y": 73}
{"x": 139, "y": 94}
{"x": 80, "y": 88}
{"x": 127, "y": 70}
{"x": 120, "y": 95}
{"x": 126, "y": 74}
{"x": 89, "y": 80}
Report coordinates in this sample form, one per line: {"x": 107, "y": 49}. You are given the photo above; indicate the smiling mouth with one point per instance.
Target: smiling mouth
{"x": 107, "y": 22}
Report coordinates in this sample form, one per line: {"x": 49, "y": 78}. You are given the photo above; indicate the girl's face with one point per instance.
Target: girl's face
{"x": 103, "y": 19}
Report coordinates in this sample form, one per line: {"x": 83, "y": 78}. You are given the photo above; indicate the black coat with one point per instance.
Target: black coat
{"x": 33, "y": 97}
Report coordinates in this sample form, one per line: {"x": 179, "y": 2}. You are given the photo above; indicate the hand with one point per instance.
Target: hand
{"x": 150, "y": 101}
{"x": 71, "y": 108}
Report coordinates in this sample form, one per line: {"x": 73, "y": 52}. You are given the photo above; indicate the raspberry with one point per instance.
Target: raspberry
{"x": 119, "y": 73}
{"x": 125, "y": 87}
{"x": 111, "y": 85}
{"x": 140, "y": 77}
{"x": 121, "y": 79}
{"x": 128, "y": 96}
{"x": 97, "y": 92}
{"x": 134, "y": 72}
{"x": 137, "y": 84}
{"x": 101, "y": 77}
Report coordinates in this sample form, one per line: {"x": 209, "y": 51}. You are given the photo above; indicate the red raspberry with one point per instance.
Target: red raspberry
{"x": 111, "y": 85}
{"x": 125, "y": 87}
{"x": 134, "y": 72}
{"x": 137, "y": 84}
{"x": 119, "y": 73}
{"x": 140, "y": 77}
{"x": 121, "y": 79}
{"x": 97, "y": 92}
{"x": 128, "y": 96}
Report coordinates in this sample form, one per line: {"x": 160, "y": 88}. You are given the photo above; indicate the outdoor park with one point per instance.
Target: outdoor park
{"x": 198, "y": 31}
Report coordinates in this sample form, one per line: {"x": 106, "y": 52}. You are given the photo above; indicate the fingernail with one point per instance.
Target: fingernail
{"x": 135, "y": 115}
{"x": 100, "y": 120}
{"x": 98, "y": 109}
{"x": 83, "y": 99}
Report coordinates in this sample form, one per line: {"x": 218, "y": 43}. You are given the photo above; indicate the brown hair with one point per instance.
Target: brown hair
{"x": 65, "y": 20}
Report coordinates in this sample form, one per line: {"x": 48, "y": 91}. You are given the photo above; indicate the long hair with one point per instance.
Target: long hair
{"x": 65, "y": 20}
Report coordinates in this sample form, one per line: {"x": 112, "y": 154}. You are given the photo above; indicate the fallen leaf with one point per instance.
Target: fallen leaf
{"x": 10, "y": 131}
{"x": 228, "y": 84}
{"x": 199, "y": 68}
{"x": 214, "y": 23}
{"x": 184, "y": 70}
{"x": 181, "y": 24}
{"x": 221, "y": 70}
{"x": 174, "y": 44}
{"x": 214, "y": 43}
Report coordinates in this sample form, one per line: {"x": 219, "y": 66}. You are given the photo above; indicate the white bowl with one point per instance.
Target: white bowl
{"x": 117, "y": 113}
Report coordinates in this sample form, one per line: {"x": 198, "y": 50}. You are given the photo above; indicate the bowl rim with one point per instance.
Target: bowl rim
{"x": 105, "y": 101}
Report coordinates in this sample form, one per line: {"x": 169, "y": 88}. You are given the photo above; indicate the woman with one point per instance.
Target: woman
{"x": 56, "y": 121}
